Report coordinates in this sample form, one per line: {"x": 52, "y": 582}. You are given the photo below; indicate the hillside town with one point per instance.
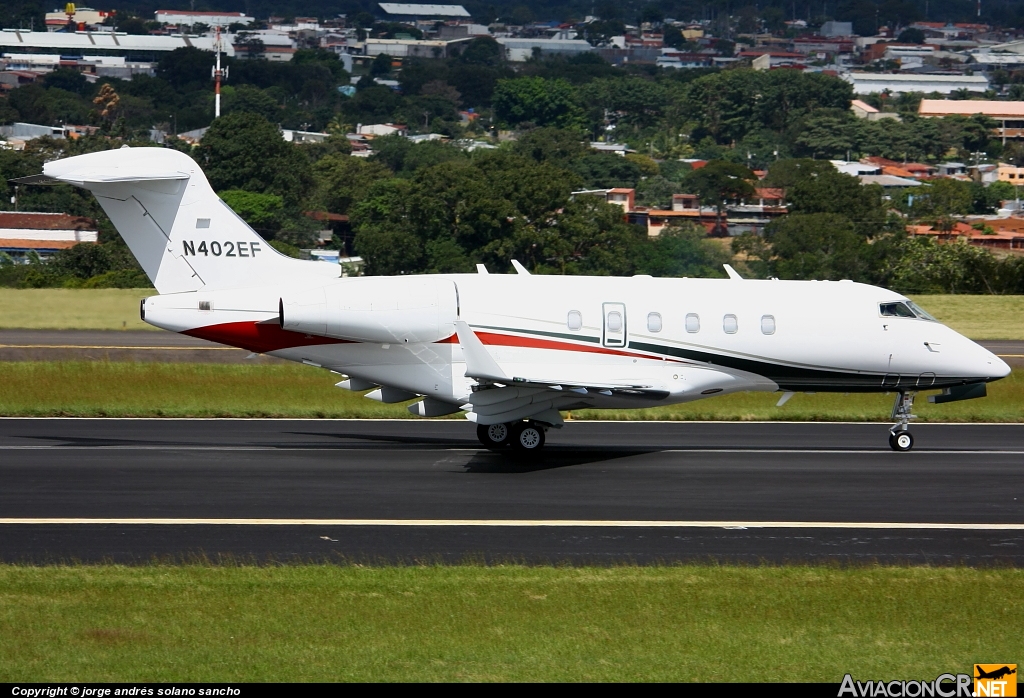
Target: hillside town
{"x": 677, "y": 143}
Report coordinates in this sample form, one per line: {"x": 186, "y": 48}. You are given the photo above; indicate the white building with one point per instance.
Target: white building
{"x": 403, "y": 12}
{"x": 866, "y": 83}
{"x": 519, "y": 50}
{"x": 212, "y": 19}
{"x": 85, "y": 43}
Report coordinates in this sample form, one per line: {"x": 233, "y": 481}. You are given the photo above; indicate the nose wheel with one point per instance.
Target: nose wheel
{"x": 901, "y": 441}
{"x": 900, "y": 438}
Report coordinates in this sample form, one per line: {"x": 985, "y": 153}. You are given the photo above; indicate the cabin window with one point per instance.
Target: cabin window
{"x": 615, "y": 321}
{"x": 693, "y": 323}
{"x": 202, "y": 222}
{"x": 898, "y": 309}
{"x": 730, "y": 324}
{"x": 206, "y": 305}
{"x": 575, "y": 320}
{"x": 654, "y": 322}
{"x": 768, "y": 324}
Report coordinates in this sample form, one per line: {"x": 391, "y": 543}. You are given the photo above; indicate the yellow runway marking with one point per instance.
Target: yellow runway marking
{"x": 516, "y": 523}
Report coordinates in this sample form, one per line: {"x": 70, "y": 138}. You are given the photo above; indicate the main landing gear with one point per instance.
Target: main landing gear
{"x": 900, "y": 438}
{"x": 522, "y": 437}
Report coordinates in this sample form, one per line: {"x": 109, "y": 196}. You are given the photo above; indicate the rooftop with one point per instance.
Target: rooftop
{"x": 967, "y": 107}
{"x": 402, "y": 8}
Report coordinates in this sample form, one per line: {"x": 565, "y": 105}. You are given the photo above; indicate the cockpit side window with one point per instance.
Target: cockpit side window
{"x": 902, "y": 309}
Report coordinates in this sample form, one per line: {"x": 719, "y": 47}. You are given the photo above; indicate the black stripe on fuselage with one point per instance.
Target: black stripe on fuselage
{"x": 799, "y": 378}
{"x": 805, "y": 378}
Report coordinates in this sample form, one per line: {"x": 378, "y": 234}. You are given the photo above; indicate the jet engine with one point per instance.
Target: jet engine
{"x": 385, "y": 310}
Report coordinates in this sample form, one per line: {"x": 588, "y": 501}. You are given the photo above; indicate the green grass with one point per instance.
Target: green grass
{"x": 73, "y": 308}
{"x": 109, "y": 389}
{"x": 504, "y": 623}
{"x": 978, "y": 317}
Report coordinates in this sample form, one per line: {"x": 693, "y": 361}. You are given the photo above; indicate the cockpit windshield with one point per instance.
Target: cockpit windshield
{"x": 903, "y": 309}
{"x": 920, "y": 312}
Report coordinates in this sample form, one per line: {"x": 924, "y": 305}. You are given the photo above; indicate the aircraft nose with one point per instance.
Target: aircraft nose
{"x": 991, "y": 366}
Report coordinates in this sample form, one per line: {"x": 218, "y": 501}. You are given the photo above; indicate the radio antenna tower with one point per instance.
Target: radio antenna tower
{"x": 218, "y": 74}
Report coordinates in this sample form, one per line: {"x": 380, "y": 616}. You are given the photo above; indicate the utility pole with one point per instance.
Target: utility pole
{"x": 218, "y": 74}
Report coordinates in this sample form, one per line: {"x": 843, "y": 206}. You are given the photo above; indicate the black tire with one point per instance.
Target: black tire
{"x": 527, "y": 437}
{"x": 494, "y": 436}
{"x": 901, "y": 441}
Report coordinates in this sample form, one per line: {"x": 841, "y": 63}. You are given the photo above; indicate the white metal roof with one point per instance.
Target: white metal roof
{"x": 402, "y": 8}
{"x": 106, "y": 41}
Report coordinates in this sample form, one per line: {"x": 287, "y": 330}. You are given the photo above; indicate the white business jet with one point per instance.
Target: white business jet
{"x": 511, "y": 351}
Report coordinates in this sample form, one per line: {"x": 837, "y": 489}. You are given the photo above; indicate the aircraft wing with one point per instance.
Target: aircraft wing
{"x": 503, "y": 398}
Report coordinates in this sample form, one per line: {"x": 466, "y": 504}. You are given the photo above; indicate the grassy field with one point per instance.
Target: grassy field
{"x": 978, "y": 317}
{"x": 73, "y": 308}
{"x": 107, "y": 389}
{"x": 504, "y": 623}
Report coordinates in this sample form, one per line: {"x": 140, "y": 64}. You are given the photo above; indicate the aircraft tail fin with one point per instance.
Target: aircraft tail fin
{"x": 183, "y": 235}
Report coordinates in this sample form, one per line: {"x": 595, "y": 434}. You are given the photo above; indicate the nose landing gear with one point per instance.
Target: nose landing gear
{"x": 900, "y": 438}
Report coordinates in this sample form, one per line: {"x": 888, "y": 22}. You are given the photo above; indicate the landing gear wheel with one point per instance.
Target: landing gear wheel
{"x": 493, "y": 436}
{"x": 901, "y": 441}
{"x": 527, "y": 437}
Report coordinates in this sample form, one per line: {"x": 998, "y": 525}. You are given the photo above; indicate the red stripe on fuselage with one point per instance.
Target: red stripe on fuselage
{"x": 258, "y": 337}
{"x": 535, "y": 343}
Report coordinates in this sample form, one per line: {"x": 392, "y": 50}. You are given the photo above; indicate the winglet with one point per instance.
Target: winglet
{"x": 520, "y": 269}
{"x": 479, "y": 362}
{"x": 733, "y": 274}
{"x": 481, "y": 269}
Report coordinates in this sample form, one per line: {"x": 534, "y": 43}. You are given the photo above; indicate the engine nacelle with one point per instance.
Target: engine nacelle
{"x": 386, "y": 309}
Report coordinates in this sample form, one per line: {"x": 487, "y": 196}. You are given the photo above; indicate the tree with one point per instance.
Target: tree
{"x": 785, "y": 174}
{"x": 250, "y": 99}
{"x": 245, "y": 151}
{"x": 829, "y": 134}
{"x": 682, "y": 250}
{"x": 381, "y": 65}
{"x": 831, "y": 191}
{"x": 911, "y": 36}
{"x": 342, "y": 180}
{"x": 656, "y": 192}
{"x": 186, "y": 66}
{"x": 384, "y": 236}
{"x": 537, "y": 101}
{"x": 107, "y": 102}
{"x": 67, "y": 79}
{"x": 719, "y": 181}
{"x": 817, "y": 246}
{"x": 551, "y": 144}
{"x": 588, "y": 237}
{"x": 604, "y": 170}
{"x": 261, "y": 211}
{"x": 941, "y": 198}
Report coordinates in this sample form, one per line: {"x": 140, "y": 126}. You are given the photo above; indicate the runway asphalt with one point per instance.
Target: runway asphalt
{"x": 143, "y": 345}
{"x": 411, "y": 491}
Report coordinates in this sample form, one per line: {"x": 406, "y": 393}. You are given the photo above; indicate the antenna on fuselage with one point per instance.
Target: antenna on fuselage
{"x": 733, "y": 274}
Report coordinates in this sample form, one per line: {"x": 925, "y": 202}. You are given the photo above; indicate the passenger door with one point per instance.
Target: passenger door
{"x": 614, "y": 334}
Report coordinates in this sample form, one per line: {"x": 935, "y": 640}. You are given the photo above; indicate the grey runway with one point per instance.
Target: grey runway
{"x": 144, "y": 345}
{"x": 603, "y": 492}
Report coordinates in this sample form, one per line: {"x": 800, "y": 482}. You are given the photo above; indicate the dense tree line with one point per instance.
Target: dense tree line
{"x": 435, "y": 207}
{"x": 866, "y": 15}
